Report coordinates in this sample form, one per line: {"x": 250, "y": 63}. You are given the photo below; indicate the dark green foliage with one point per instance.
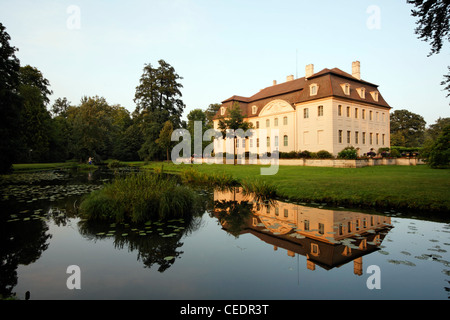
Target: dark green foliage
{"x": 439, "y": 156}
{"x": 10, "y": 102}
{"x": 348, "y": 153}
{"x": 323, "y": 154}
{"x": 407, "y": 129}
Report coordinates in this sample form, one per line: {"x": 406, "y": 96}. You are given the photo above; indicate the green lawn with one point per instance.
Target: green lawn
{"x": 389, "y": 187}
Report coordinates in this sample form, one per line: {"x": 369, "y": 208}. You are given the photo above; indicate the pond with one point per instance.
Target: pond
{"x": 234, "y": 248}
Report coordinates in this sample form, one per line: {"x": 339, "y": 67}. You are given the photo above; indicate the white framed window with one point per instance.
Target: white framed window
{"x": 361, "y": 92}
{"x": 254, "y": 109}
{"x": 222, "y": 111}
{"x": 339, "y": 110}
{"x": 285, "y": 121}
{"x": 320, "y": 111}
{"x": 313, "y": 89}
{"x": 346, "y": 88}
{"x": 374, "y": 95}
{"x": 306, "y": 113}
{"x": 275, "y": 122}
{"x": 267, "y": 123}
{"x": 285, "y": 140}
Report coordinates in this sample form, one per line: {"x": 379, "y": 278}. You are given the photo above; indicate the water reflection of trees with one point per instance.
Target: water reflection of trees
{"x": 154, "y": 241}
{"x": 21, "y": 243}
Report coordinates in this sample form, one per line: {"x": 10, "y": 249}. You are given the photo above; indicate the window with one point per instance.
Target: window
{"x": 306, "y": 113}
{"x": 370, "y": 115}
{"x": 382, "y": 139}
{"x": 268, "y": 141}
{"x": 374, "y": 95}
{"x": 286, "y": 213}
{"x": 254, "y": 109}
{"x": 313, "y": 89}
{"x": 306, "y": 225}
{"x": 321, "y": 228}
{"x": 257, "y": 142}
{"x": 377, "y": 117}
{"x": 237, "y": 143}
{"x": 285, "y": 141}
{"x": 267, "y": 123}
{"x": 275, "y": 122}
{"x": 348, "y": 111}
{"x": 315, "y": 249}
{"x": 339, "y": 110}
{"x": 222, "y": 111}
{"x": 243, "y": 143}
{"x": 363, "y": 115}
{"x": 276, "y": 211}
{"x": 257, "y": 124}
{"x": 340, "y": 136}
{"x": 349, "y": 227}
{"x": 320, "y": 111}
{"x": 356, "y": 113}
{"x": 346, "y": 88}
{"x": 356, "y": 137}
{"x": 348, "y": 136}
{"x": 376, "y": 138}
{"x": 371, "y": 138}
{"x": 276, "y": 141}
{"x": 285, "y": 121}
{"x": 362, "y": 93}
{"x": 383, "y": 117}
{"x": 364, "y": 138}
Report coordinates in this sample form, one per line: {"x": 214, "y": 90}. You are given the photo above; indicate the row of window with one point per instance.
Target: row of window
{"x": 314, "y": 88}
{"x": 275, "y": 122}
{"x": 285, "y": 142}
{"x": 364, "y": 136}
{"x": 356, "y": 113}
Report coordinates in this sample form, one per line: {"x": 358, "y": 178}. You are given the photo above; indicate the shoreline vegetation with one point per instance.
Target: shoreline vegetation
{"x": 401, "y": 188}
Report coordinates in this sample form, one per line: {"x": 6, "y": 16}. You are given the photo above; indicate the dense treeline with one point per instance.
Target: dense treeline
{"x": 32, "y": 130}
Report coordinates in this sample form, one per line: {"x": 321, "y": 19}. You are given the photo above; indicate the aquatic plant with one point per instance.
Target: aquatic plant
{"x": 260, "y": 189}
{"x": 139, "y": 197}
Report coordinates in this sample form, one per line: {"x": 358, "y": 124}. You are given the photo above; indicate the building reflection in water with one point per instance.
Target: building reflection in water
{"x": 327, "y": 238}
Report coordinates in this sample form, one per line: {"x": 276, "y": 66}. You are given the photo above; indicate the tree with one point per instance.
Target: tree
{"x": 433, "y": 25}
{"x": 434, "y": 130}
{"x": 158, "y": 99}
{"x": 35, "y": 118}
{"x": 234, "y": 120}
{"x": 210, "y": 112}
{"x": 10, "y": 102}
{"x": 439, "y": 156}
{"x": 193, "y": 116}
{"x": 407, "y": 129}
{"x": 165, "y": 137}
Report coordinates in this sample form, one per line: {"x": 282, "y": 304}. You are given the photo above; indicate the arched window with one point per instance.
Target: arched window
{"x": 285, "y": 140}
{"x": 285, "y": 121}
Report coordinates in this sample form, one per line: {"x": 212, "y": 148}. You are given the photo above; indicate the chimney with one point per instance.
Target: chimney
{"x": 356, "y": 70}
{"x": 274, "y": 82}
{"x": 290, "y": 78}
{"x": 309, "y": 70}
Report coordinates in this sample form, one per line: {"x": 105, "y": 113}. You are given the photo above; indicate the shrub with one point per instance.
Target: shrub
{"x": 323, "y": 154}
{"x": 305, "y": 154}
{"x": 439, "y": 156}
{"x": 348, "y": 153}
{"x": 260, "y": 189}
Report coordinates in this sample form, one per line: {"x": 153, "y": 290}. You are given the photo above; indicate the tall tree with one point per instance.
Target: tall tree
{"x": 193, "y": 116}
{"x": 210, "y": 112}
{"x": 433, "y": 25}
{"x": 158, "y": 99}
{"x": 10, "y": 102}
{"x": 35, "y": 122}
{"x": 407, "y": 129}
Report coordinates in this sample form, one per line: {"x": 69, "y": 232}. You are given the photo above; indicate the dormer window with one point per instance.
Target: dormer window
{"x": 254, "y": 109}
{"x": 313, "y": 88}
{"x": 374, "y": 95}
{"x": 346, "y": 88}
{"x": 222, "y": 111}
{"x": 362, "y": 92}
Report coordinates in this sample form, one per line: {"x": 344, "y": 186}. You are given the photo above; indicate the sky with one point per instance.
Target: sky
{"x": 223, "y": 48}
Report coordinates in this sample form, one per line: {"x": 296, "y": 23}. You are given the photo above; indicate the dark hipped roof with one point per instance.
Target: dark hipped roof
{"x": 297, "y": 91}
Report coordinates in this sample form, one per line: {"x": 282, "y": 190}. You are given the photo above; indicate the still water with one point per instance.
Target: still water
{"x": 234, "y": 248}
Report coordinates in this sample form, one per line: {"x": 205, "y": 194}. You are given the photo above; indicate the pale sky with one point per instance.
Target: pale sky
{"x": 225, "y": 47}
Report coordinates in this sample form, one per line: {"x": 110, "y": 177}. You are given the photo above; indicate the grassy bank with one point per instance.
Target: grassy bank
{"x": 386, "y": 187}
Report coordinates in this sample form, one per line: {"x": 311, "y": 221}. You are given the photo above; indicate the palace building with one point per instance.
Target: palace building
{"x": 327, "y": 110}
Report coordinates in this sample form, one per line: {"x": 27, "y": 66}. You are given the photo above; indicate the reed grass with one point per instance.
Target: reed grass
{"x": 138, "y": 198}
